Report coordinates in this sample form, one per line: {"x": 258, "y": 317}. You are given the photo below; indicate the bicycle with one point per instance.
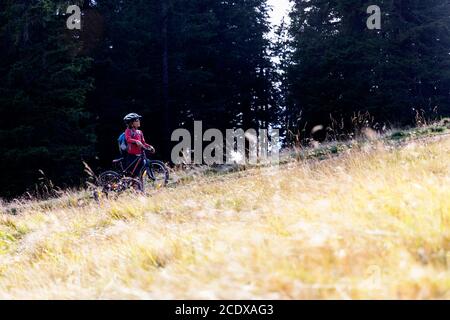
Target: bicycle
{"x": 152, "y": 172}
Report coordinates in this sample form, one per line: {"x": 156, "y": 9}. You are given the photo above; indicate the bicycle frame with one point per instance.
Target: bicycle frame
{"x": 135, "y": 164}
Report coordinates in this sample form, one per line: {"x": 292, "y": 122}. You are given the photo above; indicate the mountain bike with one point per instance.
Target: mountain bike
{"x": 150, "y": 174}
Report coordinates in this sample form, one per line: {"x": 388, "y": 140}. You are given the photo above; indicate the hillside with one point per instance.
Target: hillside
{"x": 373, "y": 222}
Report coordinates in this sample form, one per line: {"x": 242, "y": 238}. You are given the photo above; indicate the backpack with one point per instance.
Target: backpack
{"x": 123, "y": 146}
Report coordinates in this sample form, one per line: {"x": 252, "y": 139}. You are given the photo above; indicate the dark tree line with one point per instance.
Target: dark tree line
{"x": 64, "y": 92}
{"x": 340, "y": 68}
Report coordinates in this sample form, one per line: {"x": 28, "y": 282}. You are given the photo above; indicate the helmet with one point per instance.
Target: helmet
{"x": 131, "y": 117}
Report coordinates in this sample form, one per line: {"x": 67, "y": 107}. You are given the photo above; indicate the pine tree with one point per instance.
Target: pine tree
{"x": 43, "y": 87}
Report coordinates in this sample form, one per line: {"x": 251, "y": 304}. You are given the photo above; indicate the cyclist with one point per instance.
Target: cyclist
{"x": 135, "y": 141}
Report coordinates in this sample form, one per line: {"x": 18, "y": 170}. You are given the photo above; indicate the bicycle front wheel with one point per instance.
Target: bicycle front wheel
{"x": 131, "y": 184}
{"x": 154, "y": 176}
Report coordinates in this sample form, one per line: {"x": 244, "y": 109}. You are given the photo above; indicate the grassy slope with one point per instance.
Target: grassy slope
{"x": 371, "y": 223}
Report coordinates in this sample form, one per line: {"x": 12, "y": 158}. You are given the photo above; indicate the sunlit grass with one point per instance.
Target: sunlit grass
{"x": 371, "y": 223}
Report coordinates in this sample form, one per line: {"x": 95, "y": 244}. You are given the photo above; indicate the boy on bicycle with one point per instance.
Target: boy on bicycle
{"x": 135, "y": 141}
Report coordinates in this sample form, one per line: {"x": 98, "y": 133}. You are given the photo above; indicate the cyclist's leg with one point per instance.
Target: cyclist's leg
{"x": 137, "y": 167}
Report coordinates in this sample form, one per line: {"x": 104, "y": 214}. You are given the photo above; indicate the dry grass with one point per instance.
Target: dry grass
{"x": 368, "y": 224}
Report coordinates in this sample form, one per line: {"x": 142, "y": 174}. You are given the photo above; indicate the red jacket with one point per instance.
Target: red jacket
{"x": 132, "y": 136}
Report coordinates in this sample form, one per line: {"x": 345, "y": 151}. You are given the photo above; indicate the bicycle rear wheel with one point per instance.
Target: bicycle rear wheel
{"x": 109, "y": 181}
{"x": 154, "y": 176}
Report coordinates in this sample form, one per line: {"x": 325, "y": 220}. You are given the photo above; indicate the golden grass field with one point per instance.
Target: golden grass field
{"x": 373, "y": 223}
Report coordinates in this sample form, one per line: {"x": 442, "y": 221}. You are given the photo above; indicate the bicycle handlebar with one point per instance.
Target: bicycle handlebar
{"x": 151, "y": 149}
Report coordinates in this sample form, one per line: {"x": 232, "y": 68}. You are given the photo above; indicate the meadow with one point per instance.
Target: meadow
{"x": 370, "y": 223}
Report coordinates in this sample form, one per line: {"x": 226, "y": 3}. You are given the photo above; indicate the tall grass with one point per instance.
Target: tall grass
{"x": 371, "y": 223}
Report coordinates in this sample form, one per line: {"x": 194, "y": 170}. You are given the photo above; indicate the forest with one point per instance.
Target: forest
{"x": 64, "y": 92}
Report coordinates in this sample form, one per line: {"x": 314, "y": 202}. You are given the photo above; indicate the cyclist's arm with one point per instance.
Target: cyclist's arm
{"x": 146, "y": 145}
{"x": 129, "y": 139}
